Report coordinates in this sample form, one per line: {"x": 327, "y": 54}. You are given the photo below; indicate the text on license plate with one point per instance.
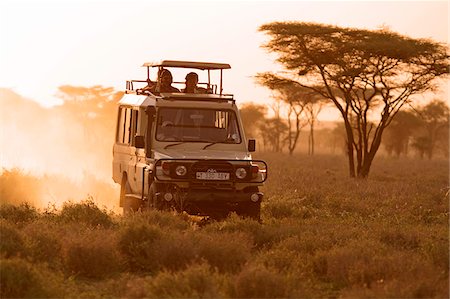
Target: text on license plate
{"x": 220, "y": 176}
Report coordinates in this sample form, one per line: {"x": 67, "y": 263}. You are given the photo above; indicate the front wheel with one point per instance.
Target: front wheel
{"x": 155, "y": 199}
{"x": 250, "y": 210}
{"x": 128, "y": 203}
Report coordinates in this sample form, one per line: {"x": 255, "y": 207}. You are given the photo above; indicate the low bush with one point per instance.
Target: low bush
{"x": 227, "y": 252}
{"x": 278, "y": 259}
{"x": 260, "y": 282}
{"x": 92, "y": 256}
{"x": 197, "y": 281}
{"x": 85, "y": 212}
{"x": 262, "y": 235}
{"x": 175, "y": 252}
{"x": 136, "y": 240}
{"x": 12, "y": 243}
{"x": 44, "y": 247}
{"x": 18, "y": 279}
{"x": 163, "y": 219}
{"x": 20, "y": 214}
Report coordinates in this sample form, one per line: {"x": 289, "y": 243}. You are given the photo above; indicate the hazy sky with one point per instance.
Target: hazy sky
{"x": 45, "y": 44}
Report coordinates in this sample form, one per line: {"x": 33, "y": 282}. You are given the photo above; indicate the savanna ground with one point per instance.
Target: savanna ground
{"x": 323, "y": 235}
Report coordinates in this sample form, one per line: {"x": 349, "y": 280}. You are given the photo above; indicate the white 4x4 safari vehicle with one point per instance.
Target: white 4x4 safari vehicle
{"x": 185, "y": 151}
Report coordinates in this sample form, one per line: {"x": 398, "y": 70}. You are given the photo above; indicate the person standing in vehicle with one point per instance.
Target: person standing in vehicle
{"x": 165, "y": 83}
{"x": 191, "y": 84}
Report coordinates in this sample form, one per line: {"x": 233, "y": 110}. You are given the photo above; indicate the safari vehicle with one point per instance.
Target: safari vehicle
{"x": 185, "y": 151}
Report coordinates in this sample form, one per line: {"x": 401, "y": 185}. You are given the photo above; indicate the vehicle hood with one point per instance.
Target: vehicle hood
{"x": 200, "y": 154}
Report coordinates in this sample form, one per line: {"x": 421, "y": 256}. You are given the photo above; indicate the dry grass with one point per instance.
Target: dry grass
{"x": 323, "y": 235}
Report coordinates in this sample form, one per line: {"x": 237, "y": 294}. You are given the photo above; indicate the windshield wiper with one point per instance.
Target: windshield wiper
{"x": 209, "y": 144}
{"x": 215, "y": 142}
{"x": 173, "y": 144}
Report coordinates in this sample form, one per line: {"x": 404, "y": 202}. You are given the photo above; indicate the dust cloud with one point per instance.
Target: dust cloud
{"x": 52, "y": 155}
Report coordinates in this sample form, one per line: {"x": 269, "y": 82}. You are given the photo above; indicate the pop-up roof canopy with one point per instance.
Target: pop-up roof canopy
{"x": 188, "y": 64}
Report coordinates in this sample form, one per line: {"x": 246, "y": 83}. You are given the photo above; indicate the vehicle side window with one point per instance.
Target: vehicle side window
{"x": 121, "y": 125}
{"x": 134, "y": 125}
{"x": 125, "y": 127}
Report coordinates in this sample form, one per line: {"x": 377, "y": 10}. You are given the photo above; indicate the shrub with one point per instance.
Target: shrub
{"x": 44, "y": 246}
{"x": 260, "y": 282}
{"x": 279, "y": 259}
{"x": 85, "y": 212}
{"x": 355, "y": 263}
{"x": 18, "y": 279}
{"x": 18, "y": 214}
{"x": 136, "y": 241}
{"x": 262, "y": 235}
{"x": 93, "y": 256}
{"x": 163, "y": 219}
{"x": 225, "y": 251}
{"x": 176, "y": 251}
{"x": 197, "y": 281}
{"x": 11, "y": 241}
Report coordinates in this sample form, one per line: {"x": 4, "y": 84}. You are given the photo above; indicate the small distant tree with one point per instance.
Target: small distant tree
{"x": 434, "y": 118}
{"x": 362, "y": 72}
{"x": 273, "y": 132}
{"x": 401, "y": 132}
{"x": 252, "y": 116}
{"x": 94, "y": 107}
{"x": 302, "y": 107}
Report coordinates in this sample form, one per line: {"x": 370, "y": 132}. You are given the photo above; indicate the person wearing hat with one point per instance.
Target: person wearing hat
{"x": 191, "y": 84}
{"x": 165, "y": 82}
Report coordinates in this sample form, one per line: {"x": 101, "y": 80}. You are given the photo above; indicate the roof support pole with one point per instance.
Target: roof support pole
{"x": 221, "y": 72}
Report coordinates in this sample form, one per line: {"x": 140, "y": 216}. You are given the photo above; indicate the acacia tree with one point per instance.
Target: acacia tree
{"x": 368, "y": 75}
{"x": 301, "y": 102}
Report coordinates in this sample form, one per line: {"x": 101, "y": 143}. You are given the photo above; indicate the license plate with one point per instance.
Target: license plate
{"x": 216, "y": 176}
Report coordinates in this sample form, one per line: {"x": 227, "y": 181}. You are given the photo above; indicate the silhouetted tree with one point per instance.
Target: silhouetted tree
{"x": 301, "y": 104}
{"x": 273, "y": 132}
{"x": 434, "y": 118}
{"x": 252, "y": 116}
{"x": 94, "y": 107}
{"x": 362, "y": 72}
{"x": 400, "y": 133}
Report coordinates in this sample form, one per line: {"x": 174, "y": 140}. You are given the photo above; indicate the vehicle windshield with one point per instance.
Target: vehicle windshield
{"x": 197, "y": 125}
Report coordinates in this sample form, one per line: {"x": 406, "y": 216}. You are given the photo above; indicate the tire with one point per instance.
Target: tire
{"x": 128, "y": 203}
{"x": 155, "y": 201}
{"x": 250, "y": 210}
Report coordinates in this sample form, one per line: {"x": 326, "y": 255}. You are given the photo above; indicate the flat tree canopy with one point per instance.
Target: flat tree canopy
{"x": 368, "y": 75}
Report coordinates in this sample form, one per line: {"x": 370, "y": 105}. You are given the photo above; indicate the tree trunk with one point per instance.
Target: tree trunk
{"x": 370, "y": 155}
{"x": 311, "y": 137}
{"x": 350, "y": 140}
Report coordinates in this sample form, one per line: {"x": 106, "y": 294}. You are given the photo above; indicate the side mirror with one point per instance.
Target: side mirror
{"x": 139, "y": 141}
{"x": 251, "y": 145}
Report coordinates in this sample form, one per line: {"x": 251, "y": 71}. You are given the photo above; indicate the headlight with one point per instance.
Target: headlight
{"x": 181, "y": 170}
{"x": 241, "y": 173}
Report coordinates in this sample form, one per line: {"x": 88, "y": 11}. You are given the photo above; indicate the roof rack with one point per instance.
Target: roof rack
{"x": 198, "y": 97}
{"x": 188, "y": 64}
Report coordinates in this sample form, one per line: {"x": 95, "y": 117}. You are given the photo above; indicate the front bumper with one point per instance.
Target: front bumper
{"x": 223, "y": 196}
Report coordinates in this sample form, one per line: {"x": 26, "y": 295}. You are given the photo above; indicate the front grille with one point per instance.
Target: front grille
{"x": 204, "y": 166}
